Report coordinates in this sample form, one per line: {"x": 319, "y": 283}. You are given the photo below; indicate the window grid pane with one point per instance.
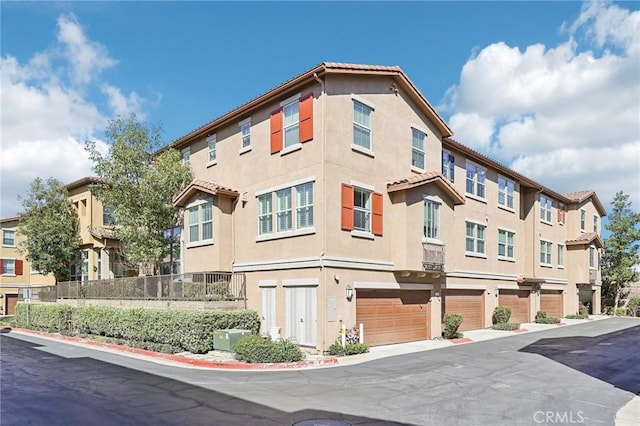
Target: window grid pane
{"x": 361, "y": 125}
{"x": 291, "y": 122}
{"x": 212, "y": 149}
{"x": 362, "y": 210}
{"x": 304, "y": 204}
{"x": 265, "y": 219}
{"x": 8, "y": 238}
{"x": 246, "y": 137}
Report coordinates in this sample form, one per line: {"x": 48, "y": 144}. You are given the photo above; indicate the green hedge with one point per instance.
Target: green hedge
{"x": 258, "y": 349}
{"x": 506, "y": 326}
{"x": 542, "y": 318}
{"x": 337, "y": 349}
{"x": 189, "y": 330}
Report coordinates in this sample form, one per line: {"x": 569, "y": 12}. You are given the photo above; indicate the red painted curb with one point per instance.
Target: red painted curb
{"x": 521, "y": 330}
{"x": 561, "y": 323}
{"x": 462, "y": 340}
{"x": 232, "y": 365}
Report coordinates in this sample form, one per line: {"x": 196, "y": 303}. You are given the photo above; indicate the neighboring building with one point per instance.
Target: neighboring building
{"x": 16, "y": 275}
{"x": 343, "y": 198}
{"x": 100, "y": 255}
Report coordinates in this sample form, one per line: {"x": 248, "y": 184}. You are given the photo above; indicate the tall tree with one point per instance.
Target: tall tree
{"x": 50, "y": 226}
{"x": 140, "y": 187}
{"x": 620, "y": 259}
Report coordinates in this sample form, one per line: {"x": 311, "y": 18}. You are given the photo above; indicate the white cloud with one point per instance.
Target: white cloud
{"x": 567, "y": 116}
{"x": 51, "y": 116}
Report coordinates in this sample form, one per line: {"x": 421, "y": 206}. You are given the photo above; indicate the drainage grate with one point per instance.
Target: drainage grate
{"x": 322, "y": 422}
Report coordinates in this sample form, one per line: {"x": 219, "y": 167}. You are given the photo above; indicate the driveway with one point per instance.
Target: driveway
{"x": 566, "y": 375}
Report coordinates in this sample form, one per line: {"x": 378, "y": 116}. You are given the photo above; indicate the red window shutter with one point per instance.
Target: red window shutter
{"x": 1, "y": 266}
{"x": 376, "y": 220}
{"x": 347, "y": 207}
{"x": 276, "y": 131}
{"x": 306, "y": 118}
{"x": 18, "y": 267}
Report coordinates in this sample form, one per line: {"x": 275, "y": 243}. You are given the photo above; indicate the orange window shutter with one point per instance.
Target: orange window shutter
{"x": 18, "y": 267}
{"x": 276, "y": 131}
{"x": 347, "y": 207}
{"x": 376, "y": 220}
{"x": 306, "y": 118}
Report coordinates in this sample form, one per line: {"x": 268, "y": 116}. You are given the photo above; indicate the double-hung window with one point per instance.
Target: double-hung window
{"x": 418, "y": 149}
{"x": 506, "y": 244}
{"x": 476, "y": 177}
{"x": 592, "y": 257}
{"x": 475, "y": 241}
{"x": 291, "y": 123}
{"x": 362, "y": 125}
{"x": 448, "y": 165}
{"x": 201, "y": 222}
{"x": 560, "y": 255}
{"x": 431, "y": 228}
{"x": 293, "y": 210}
{"x": 506, "y": 189}
{"x": 545, "y": 209}
{"x": 562, "y": 213}
{"x": 8, "y": 267}
{"x": 545, "y": 253}
{"x": 8, "y": 237}
{"x": 595, "y": 224}
{"x": 211, "y": 144}
{"x": 186, "y": 155}
{"x": 583, "y": 220}
{"x": 245, "y": 134}
{"x": 362, "y": 209}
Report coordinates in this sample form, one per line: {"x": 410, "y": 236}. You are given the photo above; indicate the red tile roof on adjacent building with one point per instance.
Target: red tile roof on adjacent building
{"x": 425, "y": 178}
{"x": 578, "y": 197}
{"x": 88, "y": 180}
{"x": 586, "y": 238}
{"x": 198, "y": 185}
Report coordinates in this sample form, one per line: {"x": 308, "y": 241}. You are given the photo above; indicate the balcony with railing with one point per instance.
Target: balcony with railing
{"x": 432, "y": 257}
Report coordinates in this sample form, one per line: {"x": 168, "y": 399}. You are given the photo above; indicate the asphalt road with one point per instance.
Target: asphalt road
{"x": 568, "y": 375}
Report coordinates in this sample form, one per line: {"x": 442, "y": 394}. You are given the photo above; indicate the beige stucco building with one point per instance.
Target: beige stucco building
{"x": 343, "y": 198}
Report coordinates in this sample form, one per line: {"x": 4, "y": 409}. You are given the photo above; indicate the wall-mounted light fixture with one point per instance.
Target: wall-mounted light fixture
{"x": 497, "y": 291}
{"x": 436, "y": 293}
{"x": 349, "y": 292}
{"x": 336, "y": 278}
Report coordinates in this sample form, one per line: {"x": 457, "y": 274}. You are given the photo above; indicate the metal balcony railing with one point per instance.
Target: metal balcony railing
{"x": 432, "y": 257}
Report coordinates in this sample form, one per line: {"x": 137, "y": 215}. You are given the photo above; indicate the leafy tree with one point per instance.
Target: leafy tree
{"x": 620, "y": 258}
{"x": 50, "y": 226}
{"x": 140, "y": 187}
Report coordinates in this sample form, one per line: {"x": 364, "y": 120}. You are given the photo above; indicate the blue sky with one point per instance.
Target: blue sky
{"x": 550, "y": 88}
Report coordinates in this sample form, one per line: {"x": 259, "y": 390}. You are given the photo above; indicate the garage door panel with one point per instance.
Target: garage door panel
{"x": 469, "y": 304}
{"x": 393, "y": 316}
{"x": 551, "y": 303}
{"x": 519, "y": 303}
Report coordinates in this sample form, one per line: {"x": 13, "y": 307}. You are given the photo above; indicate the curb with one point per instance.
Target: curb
{"x": 203, "y": 363}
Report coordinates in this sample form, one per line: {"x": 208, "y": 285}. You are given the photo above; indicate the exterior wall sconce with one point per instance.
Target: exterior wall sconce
{"x": 336, "y": 278}
{"x": 497, "y": 291}
{"x": 349, "y": 292}
{"x": 436, "y": 294}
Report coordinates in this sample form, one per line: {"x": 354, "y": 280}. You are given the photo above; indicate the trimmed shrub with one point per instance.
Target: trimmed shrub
{"x": 633, "y": 307}
{"x": 451, "y": 324}
{"x": 51, "y": 318}
{"x": 576, "y": 316}
{"x": 337, "y": 349}
{"x": 542, "y": 318}
{"x": 621, "y": 311}
{"x": 506, "y": 326}
{"x": 583, "y": 310}
{"x": 501, "y": 315}
{"x": 257, "y": 349}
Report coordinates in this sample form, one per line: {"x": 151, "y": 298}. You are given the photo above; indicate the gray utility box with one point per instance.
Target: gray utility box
{"x": 223, "y": 340}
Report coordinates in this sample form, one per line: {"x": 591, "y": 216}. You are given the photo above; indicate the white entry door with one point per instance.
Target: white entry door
{"x": 268, "y": 308}
{"x": 301, "y": 314}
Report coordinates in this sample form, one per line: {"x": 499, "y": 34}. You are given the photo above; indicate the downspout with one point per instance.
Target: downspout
{"x": 323, "y": 288}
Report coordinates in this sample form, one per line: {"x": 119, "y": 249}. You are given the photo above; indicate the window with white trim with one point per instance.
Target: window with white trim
{"x": 506, "y": 189}
{"x": 506, "y": 244}
{"x": 431, "y": 229}
{"x": 8, "y": 238}
{"x": 476, "y": 177}
{"x": 361, "y": 209}
{"x": 418, "y": 142}
{"x": 595, "y": 224}
{"x": 475, "y": 241}
{"x": 560, "y": 255}
{"x": 592, "y": 257}
{"x": 79, "y": 266}
{"x": 545, "y": 208}
{"x": 211, "y": 145}
{"x": 245, "y": 134}
{"x": 293, "y": 210}
{"x": 8, "y": 266}
{"x": 545, "y": 253}
{"x": 291, "y": 123}
{"x": 200, "y": 218}
{"x": 362, "y": 125}
{"x": 583, "y": 219}
{"x": 448, "y": 165}
{"x": 186, "y": 155}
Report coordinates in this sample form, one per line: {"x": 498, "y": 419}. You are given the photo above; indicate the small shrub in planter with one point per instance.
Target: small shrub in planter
{"x": 350, "y": 349}
{"x": 576, "y": 316}
{"x": 542, "y": 318}
{"x": 451, "y": 324}
{"x": 501, "y": 315}
{"x": 257, "y": 349}
{"x": 506, "y": 326}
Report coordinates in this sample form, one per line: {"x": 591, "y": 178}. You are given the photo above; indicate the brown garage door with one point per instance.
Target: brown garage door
{"x": 551, "y": 302}
{"x": 469, "y": 304}
{"x": 393, "y": 316}
{"x": 12, "y": 300}
{"x": 518, "y": 302}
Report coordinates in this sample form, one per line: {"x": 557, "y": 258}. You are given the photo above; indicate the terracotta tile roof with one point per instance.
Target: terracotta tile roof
{"x": 88, "y": 180}
{"x": 586, "y": 238}
{"x": 430, "y": 176}
{"x": 198, "y": 185}
{"x": 578, "y": 197}
{"x": 9, "y": 219}
{"x": 101, "y": 232}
